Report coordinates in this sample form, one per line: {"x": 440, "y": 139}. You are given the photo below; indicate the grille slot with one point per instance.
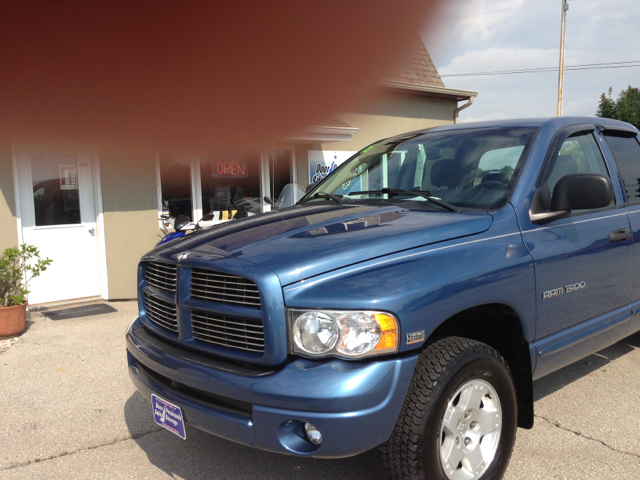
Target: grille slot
{"x": 223, "y": 288}
{"x": 161, "y": 312}
{"x": 235, "y": 333}
{"x": 161, "y": 275}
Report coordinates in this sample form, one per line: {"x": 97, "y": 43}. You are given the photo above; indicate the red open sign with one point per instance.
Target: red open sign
{"x": 231, "y": 169}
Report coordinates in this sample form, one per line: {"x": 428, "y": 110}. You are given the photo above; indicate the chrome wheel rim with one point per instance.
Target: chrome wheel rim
{"x": 470, "y": 431}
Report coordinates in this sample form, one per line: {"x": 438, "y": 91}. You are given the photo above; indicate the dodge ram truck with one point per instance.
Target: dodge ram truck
{"x": 407, "y": 302}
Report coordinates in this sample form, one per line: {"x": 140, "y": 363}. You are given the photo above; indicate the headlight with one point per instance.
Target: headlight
{"x": 349, "y": 334}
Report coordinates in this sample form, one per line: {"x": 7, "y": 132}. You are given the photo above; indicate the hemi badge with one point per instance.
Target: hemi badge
{"x": 415, "y": 337}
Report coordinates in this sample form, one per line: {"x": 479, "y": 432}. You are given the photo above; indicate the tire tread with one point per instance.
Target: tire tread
{"x": 401, "y": 454}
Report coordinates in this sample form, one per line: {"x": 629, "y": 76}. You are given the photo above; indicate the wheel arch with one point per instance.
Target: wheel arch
{"x": 499, "y": 326}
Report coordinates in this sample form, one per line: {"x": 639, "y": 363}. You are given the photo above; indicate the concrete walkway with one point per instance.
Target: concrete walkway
{"x": 69, "y": 410}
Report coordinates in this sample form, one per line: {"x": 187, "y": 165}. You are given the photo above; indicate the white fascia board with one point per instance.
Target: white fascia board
{"x": 429, "y": 89}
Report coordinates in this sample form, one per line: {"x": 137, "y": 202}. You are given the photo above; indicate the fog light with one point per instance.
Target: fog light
{"x": 314, "y": 437}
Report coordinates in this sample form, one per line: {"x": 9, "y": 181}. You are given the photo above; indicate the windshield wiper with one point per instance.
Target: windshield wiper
{"x": 328, "y": 196}
{"x": 395, "y": 192}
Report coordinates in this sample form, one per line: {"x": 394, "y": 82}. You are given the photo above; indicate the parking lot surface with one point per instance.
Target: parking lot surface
{"x": 69, "y": 410}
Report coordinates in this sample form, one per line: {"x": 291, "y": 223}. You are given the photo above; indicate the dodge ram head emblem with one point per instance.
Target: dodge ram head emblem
{"x": 183, "y": 255}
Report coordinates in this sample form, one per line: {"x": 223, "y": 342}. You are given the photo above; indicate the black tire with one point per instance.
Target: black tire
{"x": 413, "y": 452}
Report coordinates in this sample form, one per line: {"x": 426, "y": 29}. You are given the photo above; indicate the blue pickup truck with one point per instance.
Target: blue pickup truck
{"x": 407, "y": 301}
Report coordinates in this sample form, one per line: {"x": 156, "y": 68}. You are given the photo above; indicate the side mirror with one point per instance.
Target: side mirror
{"x": 269, "y": 201}
{"x": 309, "y": 187}
{"x": 576, "y": 191}
{"x": 180, "y": 222}
{"x": 580, "y": 191}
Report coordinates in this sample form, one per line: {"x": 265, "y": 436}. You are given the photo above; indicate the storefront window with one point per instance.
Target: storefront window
{"x": 175, "y": 184}
{"x": 279, "y": 171}
{"x": 230, "y": 185}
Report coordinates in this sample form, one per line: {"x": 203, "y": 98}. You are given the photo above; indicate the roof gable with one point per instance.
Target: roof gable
{"x": 416, "y": 67}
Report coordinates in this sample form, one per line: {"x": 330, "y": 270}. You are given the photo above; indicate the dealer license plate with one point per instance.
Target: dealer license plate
{"x": 168, "y": 415}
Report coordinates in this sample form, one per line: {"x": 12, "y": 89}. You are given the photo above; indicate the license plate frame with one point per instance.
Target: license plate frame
{"x": 168, "y": 416}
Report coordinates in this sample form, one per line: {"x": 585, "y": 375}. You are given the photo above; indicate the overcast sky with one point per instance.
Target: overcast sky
{"x": 488, "y": 35}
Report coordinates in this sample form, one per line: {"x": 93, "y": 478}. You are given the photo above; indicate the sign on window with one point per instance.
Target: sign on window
{"x": 322, "y": 163}
{"x": 68, "y": 177}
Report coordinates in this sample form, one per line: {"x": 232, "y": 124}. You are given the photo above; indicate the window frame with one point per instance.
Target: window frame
{"x": 554, "y": 150}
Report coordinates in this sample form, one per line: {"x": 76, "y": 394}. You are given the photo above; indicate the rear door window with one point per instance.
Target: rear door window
{"x": 626, "y": 151}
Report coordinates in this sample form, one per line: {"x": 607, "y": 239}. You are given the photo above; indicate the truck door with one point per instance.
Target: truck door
{"x": 623, "y": 144}
{"x": 584, "y": 262}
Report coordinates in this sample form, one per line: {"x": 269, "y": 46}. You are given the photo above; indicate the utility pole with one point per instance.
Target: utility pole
{"x": 565, "y": 7}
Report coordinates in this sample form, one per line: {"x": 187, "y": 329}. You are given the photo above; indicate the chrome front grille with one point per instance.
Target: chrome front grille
{"x": 223, "y": 288}
{"x": 161, "y": 275}
{"x": 161, "y": 312}
{"x": 235, "y": 333}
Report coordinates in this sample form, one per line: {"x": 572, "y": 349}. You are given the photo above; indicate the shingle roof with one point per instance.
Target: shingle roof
{"x": 416, "y": 67}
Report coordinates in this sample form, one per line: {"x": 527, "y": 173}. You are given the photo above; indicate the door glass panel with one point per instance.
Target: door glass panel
{"x": 626, "y": 151}
{"x": 230, "y": 185}
{"x": 175, "y": 183}
{"x": 56, "y": 197}
{"x": 578, "y": 154}
{"x": 279, "y": 171}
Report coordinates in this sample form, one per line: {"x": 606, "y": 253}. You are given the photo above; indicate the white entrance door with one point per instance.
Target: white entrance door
{"x": 58, "y": 216}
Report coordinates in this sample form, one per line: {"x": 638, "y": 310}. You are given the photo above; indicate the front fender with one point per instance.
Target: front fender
{"x": 427, "y": 285}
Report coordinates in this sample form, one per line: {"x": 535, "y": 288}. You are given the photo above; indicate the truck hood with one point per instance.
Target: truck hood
{"x": 305, "y": 241}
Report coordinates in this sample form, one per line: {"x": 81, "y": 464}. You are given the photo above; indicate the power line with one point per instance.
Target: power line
{"x": 586, "y": 66}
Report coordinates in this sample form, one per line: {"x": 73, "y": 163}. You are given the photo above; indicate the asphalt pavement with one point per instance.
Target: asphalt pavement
{"x": 68, "y": 410}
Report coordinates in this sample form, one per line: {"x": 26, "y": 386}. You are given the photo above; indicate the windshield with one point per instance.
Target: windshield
{"x": 466, "y": 168}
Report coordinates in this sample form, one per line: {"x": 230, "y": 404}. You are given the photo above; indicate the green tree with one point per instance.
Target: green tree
{"x": 625, "y": 108}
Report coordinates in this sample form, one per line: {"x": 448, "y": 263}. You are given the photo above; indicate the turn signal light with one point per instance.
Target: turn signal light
{"x": 389, "y": 338}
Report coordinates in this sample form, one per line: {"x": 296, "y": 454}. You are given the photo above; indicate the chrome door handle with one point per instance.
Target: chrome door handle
{"x": 92, "y": 230}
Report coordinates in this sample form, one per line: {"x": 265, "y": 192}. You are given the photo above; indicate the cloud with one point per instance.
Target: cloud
{"x": 489, "y": 35}
{"x": 487, "y": 18}
{"x": 499, "y": 58}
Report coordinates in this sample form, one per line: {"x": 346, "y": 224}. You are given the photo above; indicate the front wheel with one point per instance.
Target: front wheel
{"x": 459, "y": 418}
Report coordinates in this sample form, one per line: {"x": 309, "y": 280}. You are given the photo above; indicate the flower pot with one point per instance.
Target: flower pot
{"x": 13, "y": 320}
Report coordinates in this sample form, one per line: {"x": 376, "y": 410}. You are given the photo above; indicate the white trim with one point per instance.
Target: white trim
{"x": 320, "y": 137}
{"x": 302, "y": 283}
{"x": 100, "y": 229}
{"x": 16, "y": 192}
{"x": 573, "y": 223}
{"x": 159, "y": 192}
{"x": 196, "y": 190}
{"x": 429, "y": 89}
{"x": 265, "y": 185}
{"x": 294, "y": 166}
{"x": 332, "y": 130}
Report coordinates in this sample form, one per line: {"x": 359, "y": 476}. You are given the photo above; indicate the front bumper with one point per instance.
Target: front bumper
{"x": 354, "y": 405}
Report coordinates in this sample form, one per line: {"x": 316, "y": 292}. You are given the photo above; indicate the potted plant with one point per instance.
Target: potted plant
{"x": 18, "y": 265}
